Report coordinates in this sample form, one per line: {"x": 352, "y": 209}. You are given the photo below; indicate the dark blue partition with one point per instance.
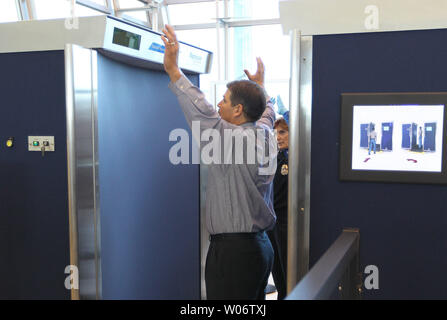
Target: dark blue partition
{"x": 387, "y": 136}
{"x": 406, "y": 136}
{"x": 34, "y": 242}
{"x": 402, "y": 226}
{"x": 430, "y": 137}
{"x": 149, "y": 207}
{"x": 364, "y": 127}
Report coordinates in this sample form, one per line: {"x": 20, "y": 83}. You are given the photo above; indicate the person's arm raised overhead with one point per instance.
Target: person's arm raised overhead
{"x": 268, "y": 117}
{"x": 191, "y": 99}
{"x": 170, "y": 61}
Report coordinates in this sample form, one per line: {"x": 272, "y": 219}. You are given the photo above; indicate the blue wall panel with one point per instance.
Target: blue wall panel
{"x": 402, "y": 226}
{"x": 34, "y": 242}
{"x": 429, "y": 136}
{"x": 149, "y": 207}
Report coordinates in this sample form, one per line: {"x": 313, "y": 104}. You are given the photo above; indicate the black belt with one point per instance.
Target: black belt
{"x": 236, "y": 235}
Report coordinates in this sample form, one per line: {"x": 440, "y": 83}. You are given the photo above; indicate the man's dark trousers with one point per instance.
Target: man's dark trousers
{"x": 238, "y": 266}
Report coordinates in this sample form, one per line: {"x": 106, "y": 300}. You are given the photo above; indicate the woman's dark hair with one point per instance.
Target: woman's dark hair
{"x": 250, "y": 95}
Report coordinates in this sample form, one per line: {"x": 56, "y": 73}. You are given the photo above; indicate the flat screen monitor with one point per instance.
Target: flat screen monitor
{"x": 394, "y": 137}
{"x": 126, "y": 39}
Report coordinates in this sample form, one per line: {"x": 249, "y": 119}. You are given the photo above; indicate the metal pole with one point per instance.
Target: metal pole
{"x": 226, "y": 39}
{"x": 117, "y": 7}
{"x": 109, "y": 6}
{"x": 26, "y": 8}
{"x": 218, "y": 51}
{"x": 292, "y": 243}
{"x": 299, "y": 158}
{"x": 71, "y": 161}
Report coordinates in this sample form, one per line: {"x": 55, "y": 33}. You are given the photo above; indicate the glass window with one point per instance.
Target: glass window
{"x": 269, "y": 43}
{"x": 253, "y": 9}
{"x": 204, "y": 39}
{"x": 8, "y": 11}
{"x": 83, "y": 11}
{"x": 52, "y": 9}
{"x": 126, "y": 4}
{"x": 100, "y": 2}
{"x": 139, "y": 15}
{"x": 193, "y": 13}
{"x": 130, "y": 4}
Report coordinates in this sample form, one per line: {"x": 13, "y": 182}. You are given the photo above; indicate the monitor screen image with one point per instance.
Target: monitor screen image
{"x": 126, "y": 39}
{"x": 397, "y": 137}
{"x": 394, "y": 137}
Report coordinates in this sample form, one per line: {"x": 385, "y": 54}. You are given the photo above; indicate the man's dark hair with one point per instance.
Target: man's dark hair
{"x": 250, "y": 95}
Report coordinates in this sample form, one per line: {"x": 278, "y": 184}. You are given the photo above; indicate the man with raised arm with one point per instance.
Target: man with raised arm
{"x": 239, "y": 193}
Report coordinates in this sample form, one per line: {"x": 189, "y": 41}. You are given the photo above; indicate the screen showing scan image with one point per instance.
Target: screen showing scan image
{"x": 397, "y": 137}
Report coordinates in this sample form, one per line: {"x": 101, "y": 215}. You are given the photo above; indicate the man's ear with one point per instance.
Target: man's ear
{"x": 238, "y": 110}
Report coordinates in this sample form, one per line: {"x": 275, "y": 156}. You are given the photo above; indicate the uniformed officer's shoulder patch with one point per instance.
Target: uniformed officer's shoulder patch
{"x": 285, "y": 169}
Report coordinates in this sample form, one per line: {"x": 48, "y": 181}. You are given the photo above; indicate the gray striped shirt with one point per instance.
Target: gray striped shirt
{"x": 239, "y": 198}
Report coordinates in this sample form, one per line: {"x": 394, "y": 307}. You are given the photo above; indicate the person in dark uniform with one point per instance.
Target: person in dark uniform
{"x": 278, "y": 235}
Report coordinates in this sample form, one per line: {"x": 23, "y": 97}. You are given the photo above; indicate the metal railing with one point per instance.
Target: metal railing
{"x": 338, "y": 267}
